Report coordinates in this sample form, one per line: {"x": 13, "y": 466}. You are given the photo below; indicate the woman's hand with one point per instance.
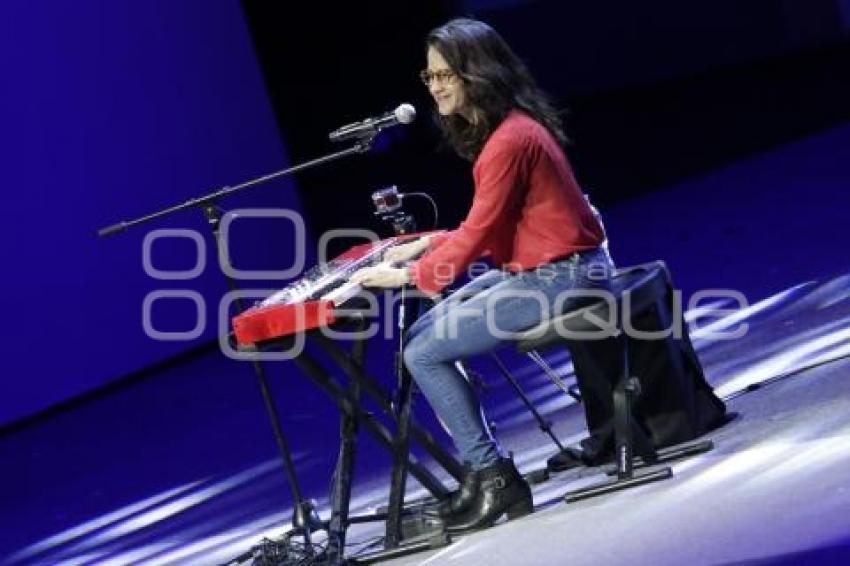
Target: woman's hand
{"x": 409, "y": 250}
{"x": 381, "y": 275}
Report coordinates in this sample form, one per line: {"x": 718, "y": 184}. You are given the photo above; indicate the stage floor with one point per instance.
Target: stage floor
{"x": 774, "y": 490}
{"x": 180, "y": 468}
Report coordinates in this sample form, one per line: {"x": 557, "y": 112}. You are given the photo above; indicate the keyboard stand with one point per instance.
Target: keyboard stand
{"x": 347, "y": 398}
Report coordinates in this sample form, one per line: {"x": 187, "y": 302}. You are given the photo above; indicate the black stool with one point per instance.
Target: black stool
{"x": 635, "y": 291}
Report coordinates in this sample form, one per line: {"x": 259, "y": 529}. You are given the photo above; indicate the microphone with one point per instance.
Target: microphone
{"x": 404, "y": 114}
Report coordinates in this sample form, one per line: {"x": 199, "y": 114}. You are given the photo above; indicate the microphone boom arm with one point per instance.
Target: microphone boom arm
{"x": 363, "y": 145}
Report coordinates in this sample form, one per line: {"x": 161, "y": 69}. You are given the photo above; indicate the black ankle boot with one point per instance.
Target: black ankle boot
{"x": 501, "y": 491}
{"x": 460, "y": 499}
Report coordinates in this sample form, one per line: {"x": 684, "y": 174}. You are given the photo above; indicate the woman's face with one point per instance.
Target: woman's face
{"x": 444, "y": 85}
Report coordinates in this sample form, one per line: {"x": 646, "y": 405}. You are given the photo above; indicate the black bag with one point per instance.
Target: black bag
{"x": 675, "y": 405}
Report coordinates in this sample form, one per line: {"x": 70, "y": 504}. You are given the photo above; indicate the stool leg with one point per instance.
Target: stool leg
{"x": 671, "y": 453}
{"x": 628, "y": 436}
{"x": 623, "y": 449}
{"x": 625, "y": 433}
{"x": 550, "y": 373}
{"x": 544, "y": 425}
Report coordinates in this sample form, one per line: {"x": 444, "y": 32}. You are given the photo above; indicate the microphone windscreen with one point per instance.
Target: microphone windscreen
{"x": 405, "y": 113}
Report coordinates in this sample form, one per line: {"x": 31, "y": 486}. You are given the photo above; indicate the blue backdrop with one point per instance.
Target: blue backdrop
{"x": 111, "y": 110}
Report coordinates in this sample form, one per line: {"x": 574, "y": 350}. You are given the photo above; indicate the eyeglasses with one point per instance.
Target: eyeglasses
{"x": 444, "y": 76}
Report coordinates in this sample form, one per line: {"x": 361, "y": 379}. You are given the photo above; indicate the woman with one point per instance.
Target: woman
{"x": 531, "y": 217}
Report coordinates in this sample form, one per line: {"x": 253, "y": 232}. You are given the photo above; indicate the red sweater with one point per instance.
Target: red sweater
{"x": 527, "y": 209}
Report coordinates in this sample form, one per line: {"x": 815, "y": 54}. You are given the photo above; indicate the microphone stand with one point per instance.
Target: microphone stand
{"x": 304, "y": 519}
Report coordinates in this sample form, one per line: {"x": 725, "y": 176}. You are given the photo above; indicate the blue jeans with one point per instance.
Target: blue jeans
{"x": 479, "y": 317}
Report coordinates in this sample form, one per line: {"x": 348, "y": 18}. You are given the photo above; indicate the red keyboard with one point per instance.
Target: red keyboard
{"x": 310, "y": 302}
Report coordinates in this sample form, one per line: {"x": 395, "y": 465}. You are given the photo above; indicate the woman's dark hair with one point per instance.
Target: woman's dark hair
{"x": 494, "y": 80}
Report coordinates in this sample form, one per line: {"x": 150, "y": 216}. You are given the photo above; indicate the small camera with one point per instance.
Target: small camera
{"x": 387, "y": 200}
{"x": 388, "y": 206}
